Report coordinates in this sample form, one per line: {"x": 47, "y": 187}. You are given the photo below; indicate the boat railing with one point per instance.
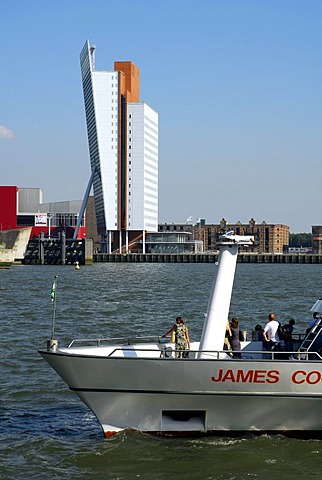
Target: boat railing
{"x": 144, "y": 339}
{"x": 169, "y": 352}
{"x": 124, "y": 340}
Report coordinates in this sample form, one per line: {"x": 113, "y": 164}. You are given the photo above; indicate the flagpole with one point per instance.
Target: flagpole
{"x": 53, "y": 298}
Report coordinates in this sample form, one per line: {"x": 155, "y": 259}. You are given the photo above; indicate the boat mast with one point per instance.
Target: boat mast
{"x": 52, "y": 343}
{"x": 214, "y": 328}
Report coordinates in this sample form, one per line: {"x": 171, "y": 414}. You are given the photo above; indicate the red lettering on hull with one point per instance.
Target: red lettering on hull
{"x": 248, "y": 376}
{"x": 299, "y": 377}
{"x": 311, "y": 378}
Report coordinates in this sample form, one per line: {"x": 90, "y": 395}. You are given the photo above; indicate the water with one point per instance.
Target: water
{"x": 46, "y": 431}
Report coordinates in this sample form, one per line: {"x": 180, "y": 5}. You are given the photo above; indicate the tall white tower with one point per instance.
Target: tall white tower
{"x": 123, "y": 147}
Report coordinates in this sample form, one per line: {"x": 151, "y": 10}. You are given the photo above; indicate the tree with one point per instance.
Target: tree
{"x": 300, "y": 240}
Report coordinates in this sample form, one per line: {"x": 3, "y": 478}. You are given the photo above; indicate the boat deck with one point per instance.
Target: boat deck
{"x": 143, "y": 348}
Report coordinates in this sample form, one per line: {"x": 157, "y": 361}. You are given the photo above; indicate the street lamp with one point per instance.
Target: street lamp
{"x": 49, "y": 217}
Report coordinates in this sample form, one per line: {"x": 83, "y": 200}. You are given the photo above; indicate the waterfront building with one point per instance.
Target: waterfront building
{"x": 23, "y": 207}
{"x": 123, "y": 148}
{"x": 172, "y": 243}
{"x": 317, "y": 239}
{"x": 91, "y": 224}
{"x": 166, "y": 243}
{"x": 269, "y": 238}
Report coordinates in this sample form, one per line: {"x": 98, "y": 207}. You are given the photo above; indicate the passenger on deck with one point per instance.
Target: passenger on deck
{"x": 235, "y": 337}
{"x": 182, "y": 340}
{"x": 228, "y": 335}
{"x": 259, "y": 333}
{"x": 270, "y": 335}
{"x": 289, "y": 327}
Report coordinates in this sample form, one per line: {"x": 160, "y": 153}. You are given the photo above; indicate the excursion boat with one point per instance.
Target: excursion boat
{"x": 141, "y": 384}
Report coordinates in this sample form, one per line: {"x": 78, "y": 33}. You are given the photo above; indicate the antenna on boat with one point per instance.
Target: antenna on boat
{"x": 52, "y": 342}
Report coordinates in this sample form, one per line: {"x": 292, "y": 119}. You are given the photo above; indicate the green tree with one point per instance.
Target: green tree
{"x": 300, "y": 240}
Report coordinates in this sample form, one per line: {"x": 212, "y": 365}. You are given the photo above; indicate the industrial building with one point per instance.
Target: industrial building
{"x": 23, "y": 207}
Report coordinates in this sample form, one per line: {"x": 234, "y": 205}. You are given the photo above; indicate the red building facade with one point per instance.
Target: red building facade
{"x": 8, "y": 208}
{"x": 11, "y": 218}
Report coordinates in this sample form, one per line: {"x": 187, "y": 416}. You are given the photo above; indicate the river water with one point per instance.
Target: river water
{"x": 47, "y": 432}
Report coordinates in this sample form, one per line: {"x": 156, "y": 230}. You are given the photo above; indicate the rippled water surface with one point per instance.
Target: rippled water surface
{"x": 46, "y": 431}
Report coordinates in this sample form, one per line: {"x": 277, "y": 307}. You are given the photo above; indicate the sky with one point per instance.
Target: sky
{"x": 236, "y": 83}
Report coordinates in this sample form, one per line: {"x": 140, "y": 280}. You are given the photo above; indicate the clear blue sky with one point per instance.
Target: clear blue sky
{"x": 237, "y": 84}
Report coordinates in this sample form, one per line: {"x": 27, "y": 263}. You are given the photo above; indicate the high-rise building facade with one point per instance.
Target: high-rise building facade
{"x": 123, "y": 147}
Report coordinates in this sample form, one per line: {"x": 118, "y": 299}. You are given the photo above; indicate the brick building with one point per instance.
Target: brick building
{"x": 269, "y": 238}
{"x": 317, "y": 239}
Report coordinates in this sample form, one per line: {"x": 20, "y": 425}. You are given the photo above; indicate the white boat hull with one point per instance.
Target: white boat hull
{"x": 188, "y": 396}
{"x": 144, "y": 387}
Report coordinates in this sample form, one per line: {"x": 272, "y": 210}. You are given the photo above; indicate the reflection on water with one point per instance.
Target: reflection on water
{"x": 46, "y": 430}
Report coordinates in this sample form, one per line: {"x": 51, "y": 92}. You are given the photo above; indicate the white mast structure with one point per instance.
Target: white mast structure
{"x": 214, "y": 329}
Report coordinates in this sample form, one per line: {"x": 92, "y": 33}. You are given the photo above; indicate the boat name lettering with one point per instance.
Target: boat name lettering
{"x": 313, "y": 377}
{"x": 249, "y": 376}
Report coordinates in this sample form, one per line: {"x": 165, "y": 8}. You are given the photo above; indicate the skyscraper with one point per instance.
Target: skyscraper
{"x": 123, "y": 147}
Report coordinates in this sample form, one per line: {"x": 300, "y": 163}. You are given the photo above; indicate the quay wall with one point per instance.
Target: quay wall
{"x": 206, "y": 258}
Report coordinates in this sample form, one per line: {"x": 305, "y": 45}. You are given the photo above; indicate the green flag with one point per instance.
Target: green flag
{"x": 53, "y": 290}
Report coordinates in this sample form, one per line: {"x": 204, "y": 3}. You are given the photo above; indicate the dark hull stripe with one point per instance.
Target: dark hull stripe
{"x": 187, "y": 393}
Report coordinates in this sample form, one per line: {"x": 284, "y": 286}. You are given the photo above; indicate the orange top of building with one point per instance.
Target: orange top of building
{"x": 132, "y": 80}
